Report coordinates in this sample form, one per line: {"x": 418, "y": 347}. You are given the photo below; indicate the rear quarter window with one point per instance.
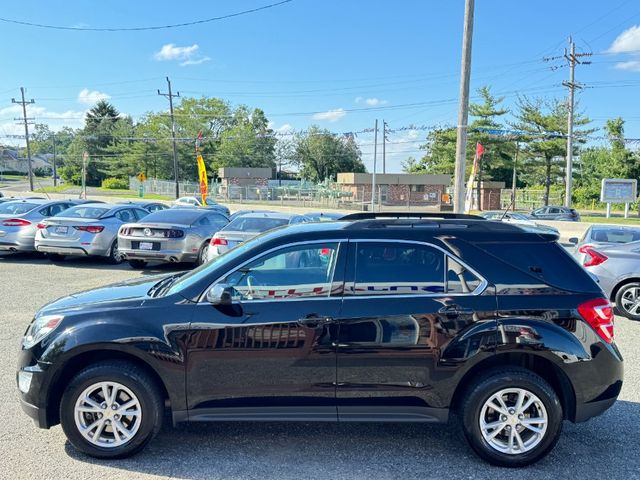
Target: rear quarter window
{"x": 545, "y": 261}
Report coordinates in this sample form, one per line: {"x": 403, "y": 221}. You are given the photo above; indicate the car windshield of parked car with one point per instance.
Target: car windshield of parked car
{"x": 255, "y": 224}
{"x": 18, "y": 208}
{"x": 518, "y": 216}
{"x": 83, "y": 211}
{"x": 175, "y": 215}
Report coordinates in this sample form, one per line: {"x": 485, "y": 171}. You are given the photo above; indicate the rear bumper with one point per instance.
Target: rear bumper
{"x": 168, "y": 256}
{"x": 589, "y": 410}
{"x": 78, "y": 251}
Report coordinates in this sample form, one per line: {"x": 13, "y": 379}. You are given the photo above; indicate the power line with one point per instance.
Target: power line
{"x": 139, "y": 29}
{"x": 173, "y": 133}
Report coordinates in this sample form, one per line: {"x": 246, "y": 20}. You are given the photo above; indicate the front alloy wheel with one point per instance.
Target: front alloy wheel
{"x": 111, "y": 409}
{"x": 108, "y": 414}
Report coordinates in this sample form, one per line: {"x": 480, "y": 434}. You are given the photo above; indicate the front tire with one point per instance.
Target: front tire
{"x": 628, "y": 301}
{"x": 511, "y": 417}
{"x": 111, "y": 410}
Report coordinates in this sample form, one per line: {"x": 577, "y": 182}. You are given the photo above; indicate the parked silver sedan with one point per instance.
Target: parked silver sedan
{"x": 173, "y": 235}
{"x": 603, "y": 235}
{"x": 19, "y": 220}
{"x": 88, "y": 229}
{"x": 247, "y": 226}
{"x": 617, "y": 268}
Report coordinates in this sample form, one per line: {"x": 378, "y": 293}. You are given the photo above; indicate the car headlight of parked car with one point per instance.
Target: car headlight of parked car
{"x": 40, "y": 328}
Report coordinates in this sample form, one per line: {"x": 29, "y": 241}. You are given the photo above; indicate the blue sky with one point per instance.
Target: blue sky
{"x": 338, "y": 64}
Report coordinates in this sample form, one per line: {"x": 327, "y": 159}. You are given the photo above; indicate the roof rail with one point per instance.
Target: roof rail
{"x": 400, "y": 215}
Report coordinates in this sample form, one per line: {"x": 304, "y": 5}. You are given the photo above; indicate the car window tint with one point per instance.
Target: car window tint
{"x": 204, "y": 221}
{"x": 56, "y": 209}
{"x": 125, "y": 216}
{"x": 294, "y": 272}
{"x": 140, "y": 213}
{"x": 387, "y": 268}
{"x": 459, "y": 278}
{"x": 16, "y": 208}
{"x": 85, "y": 212}
{"x": 554, "y": 210}
{"x": 217, "y": 221}
{"x": 616, "y": 236}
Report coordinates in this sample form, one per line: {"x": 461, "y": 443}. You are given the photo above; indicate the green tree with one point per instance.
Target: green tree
{"x": 321, "y": 155}
{"x": 545, "y": 127}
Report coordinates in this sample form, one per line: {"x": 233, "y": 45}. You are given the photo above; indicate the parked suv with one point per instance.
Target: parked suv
{"x": 368, "y": 319}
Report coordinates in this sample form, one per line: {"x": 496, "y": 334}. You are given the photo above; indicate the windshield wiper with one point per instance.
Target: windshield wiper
{"x": 163, "y": 285}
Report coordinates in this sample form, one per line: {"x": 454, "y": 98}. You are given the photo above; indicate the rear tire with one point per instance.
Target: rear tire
{"x": 137, "y": 264}
{"x": 114, "y": 257}
{"x": 511, "y": 435}
{"x": 202, "y": 253}
{"x": 628, "y": 301}
{"x": 118, "y": 426}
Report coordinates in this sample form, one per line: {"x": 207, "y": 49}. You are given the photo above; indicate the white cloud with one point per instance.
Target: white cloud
{"x": 330, "y": 115}
{"x": 627, "y": 42}
{"x": 359, "y": 99}
{"x": 91, "y": 97}
{"x": 374, "y": 101}
{"x": 189, "y": 55}
{"x": 284, "y": 128}
{"x": 631, "y": 65}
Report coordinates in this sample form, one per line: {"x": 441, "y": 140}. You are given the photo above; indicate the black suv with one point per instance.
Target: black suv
{"x": 362, "y": 320}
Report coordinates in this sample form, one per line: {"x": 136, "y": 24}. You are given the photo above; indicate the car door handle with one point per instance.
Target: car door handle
{"x": 315, "y": 321}
{"x": 454, "y": 311}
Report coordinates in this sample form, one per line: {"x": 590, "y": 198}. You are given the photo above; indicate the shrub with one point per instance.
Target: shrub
{"x": 115, "y": 183}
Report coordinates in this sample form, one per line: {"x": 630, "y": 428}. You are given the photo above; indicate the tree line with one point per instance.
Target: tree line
{"x": 536, "y": 132}
{"x": 117, "y": 147}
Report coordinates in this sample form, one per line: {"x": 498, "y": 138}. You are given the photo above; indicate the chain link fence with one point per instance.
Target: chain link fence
{"x": 529, "y": 199}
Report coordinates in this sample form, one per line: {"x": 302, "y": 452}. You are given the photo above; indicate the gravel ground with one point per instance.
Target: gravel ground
{"x": 605, "y": 447}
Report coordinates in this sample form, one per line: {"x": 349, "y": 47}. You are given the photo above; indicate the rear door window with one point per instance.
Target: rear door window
{"x": 460, "y": 279}
{"x": 388, "y": 268}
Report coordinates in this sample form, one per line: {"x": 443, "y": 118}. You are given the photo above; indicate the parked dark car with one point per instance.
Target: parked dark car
{"x": 147, "y": 205}
{"x": 556, "y": 213}
{"x": 363, "y": 320}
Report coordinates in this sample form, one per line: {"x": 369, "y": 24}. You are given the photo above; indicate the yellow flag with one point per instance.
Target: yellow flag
{"x": 204, "y": 183}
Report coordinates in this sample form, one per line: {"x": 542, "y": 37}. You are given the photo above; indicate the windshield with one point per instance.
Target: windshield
{"x": 83, "y": 212}
{"x": 194, "y": 276}
{"x": 255, "y": 224}
{"x": 16, "y": 208}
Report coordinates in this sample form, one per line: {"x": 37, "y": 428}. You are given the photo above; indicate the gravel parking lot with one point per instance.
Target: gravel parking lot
{"x": 605, "y": 447}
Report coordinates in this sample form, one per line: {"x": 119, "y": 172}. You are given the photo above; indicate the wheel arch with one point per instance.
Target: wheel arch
{"x": 534, "y": 363}
{"x": 620, "y": 284}
{"x": 76, "y": 363}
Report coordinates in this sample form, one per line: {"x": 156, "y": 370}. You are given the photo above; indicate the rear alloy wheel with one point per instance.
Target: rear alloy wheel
{"x": 202, "y": 253}
{"x": 111, "y": 410}
{"x": 115, "y": 257}
{"x": 511, "y": 418}
{"x": 137, "y": 263}
{"x": 628, "y": 301}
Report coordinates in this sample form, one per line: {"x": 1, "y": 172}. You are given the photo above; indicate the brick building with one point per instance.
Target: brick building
{"x": 396, "y": 188}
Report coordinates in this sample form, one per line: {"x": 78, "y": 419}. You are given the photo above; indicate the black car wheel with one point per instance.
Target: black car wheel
{"x": 111, "y": 410}
{"x": 628, "y": 301}
{"x": 137, "y": 263}
{"x": 511, "y": 417}
{"x": 115, "y": 257}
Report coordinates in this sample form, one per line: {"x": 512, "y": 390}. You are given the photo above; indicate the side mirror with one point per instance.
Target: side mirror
{"x": 220, "y": 294}
{"x": 573, "y": 240}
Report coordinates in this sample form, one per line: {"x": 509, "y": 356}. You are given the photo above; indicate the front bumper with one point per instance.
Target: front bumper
{"x": 31, "y": 400}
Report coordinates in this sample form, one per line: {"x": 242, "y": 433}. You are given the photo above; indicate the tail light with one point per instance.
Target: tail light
{"x": 16, "y": 222}
{"x": 41, "y": 226}
{"x": 593, "y": 257}
{"x": 173, "y": 234}
{"x": 599, "y": 314}
{"x": 124, "y": 231}
{"x": 90, "y": 228}
{"x": 218, "y": 241}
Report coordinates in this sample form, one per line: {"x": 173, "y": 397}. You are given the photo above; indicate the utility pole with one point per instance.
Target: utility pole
{"x": 55, "y": 174}
{"x": 463, "y": 108}
{"x": 384, "y": 145}
{"x": 85, "y": 159}
{"x": 573, "y": 60}
{"x": 26, "y": 132}
{"x": 373, "y": 176}
{"x": 173, "y": 133}
{"x": 515, "y": 177}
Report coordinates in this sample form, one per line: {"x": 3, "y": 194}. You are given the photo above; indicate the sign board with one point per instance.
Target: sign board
{"x": 142, "y": 177}
{"x": 618, "y": 190}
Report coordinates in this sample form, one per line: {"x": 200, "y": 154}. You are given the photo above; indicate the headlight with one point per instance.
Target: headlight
{"x": 40, "y": 328}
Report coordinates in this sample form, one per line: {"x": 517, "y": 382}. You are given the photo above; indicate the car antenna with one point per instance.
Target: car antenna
{"x": 504, "y": 214}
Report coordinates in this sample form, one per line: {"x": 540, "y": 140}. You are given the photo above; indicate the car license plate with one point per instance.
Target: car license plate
{"x": 62, "y": 230}
{"x": 145, "y": 246}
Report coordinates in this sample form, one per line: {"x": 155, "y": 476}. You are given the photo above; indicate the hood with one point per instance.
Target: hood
{"x": 118, "y": 295}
